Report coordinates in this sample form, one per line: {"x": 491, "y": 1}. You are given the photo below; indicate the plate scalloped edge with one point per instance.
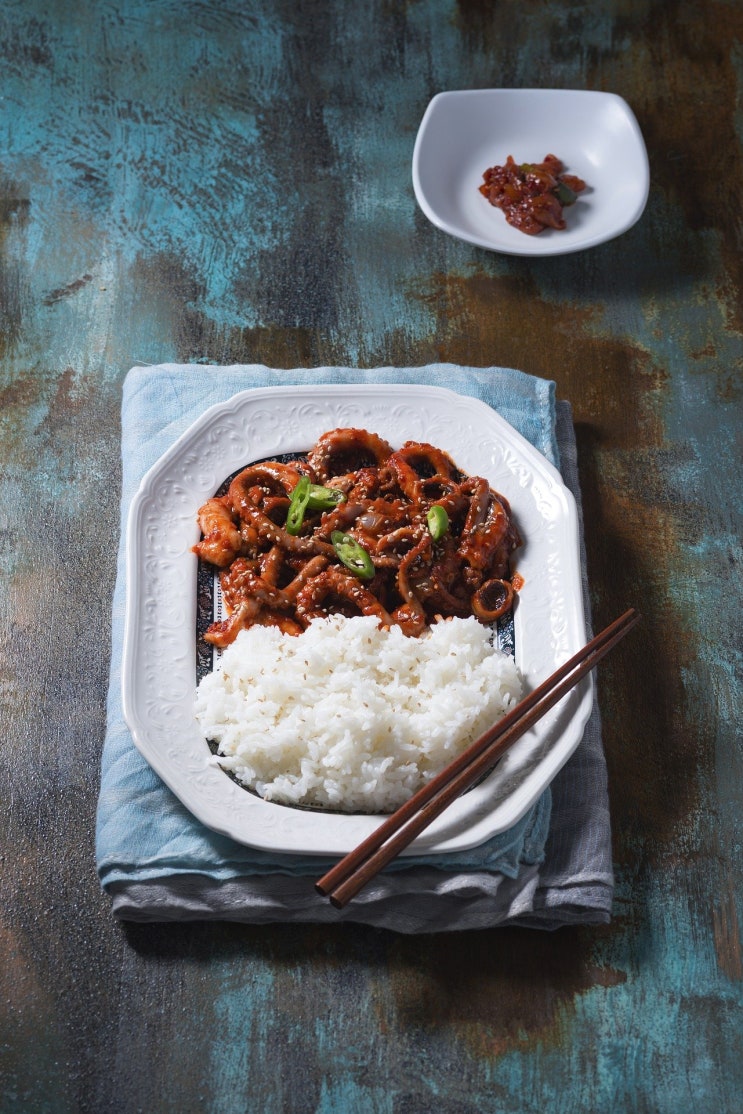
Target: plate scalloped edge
{"x": 158, "y": 664}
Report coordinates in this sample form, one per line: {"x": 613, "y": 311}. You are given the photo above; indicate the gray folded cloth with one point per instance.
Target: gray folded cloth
{"x": 159, "y": 864}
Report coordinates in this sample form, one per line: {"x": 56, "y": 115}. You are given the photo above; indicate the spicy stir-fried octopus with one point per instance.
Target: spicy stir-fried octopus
{"x": 532, "y": 195}
{"x": 358, "y": 528}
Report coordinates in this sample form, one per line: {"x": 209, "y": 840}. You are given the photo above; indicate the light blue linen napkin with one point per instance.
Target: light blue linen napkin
{"x": 159, "y": 863}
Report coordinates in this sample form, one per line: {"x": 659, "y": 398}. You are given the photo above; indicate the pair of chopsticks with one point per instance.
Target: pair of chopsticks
{"x": 358, "y": 867}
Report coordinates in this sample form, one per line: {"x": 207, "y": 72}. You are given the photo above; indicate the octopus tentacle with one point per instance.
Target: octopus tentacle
{"x": 411, "y": 615}
{"x": 272, "y": 577}
{"x": 416, "y": 463}
{"x": 242, "y": 583}
{"x": 257, "y": 480}
{"x": 271, "y": 564}
{"x": 332, "y": 584}
{"x": 405, "y": 535}
{"x": 481, "y": 542}
{"x": 225, "y": 632}
{"x": 222, "y": 540}
{"x": 311, "y": 570}
{"x": 492, "y": 599}
{"x": 341, "y": 518}
{"x": 341, "y": 451}
{"x": 269, "y": 532}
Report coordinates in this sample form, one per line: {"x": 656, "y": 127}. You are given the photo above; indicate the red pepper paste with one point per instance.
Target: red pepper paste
{"x": 532, "y": 195}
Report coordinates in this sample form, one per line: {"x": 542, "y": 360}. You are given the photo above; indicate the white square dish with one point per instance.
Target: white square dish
{"x": 594, "y": 134}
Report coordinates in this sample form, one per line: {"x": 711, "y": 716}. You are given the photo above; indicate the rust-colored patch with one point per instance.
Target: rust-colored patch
{"x": 634, "y": 528}
{"x": 64, "y": 397}
{"x": 708, "y": 351}
{"x": 729, "y": 387}
{"x": 14, "y": 287}
{"x": 727, "y": 935}
{"x": 606, "y": 976}
{"x": 14, "y": 206}
{"x": 165, "y": 284}
{"x": 73, "y": 395}
{"x": 695, "y": 155}
{"x": 483, "y": 312}
{"x": 20, "y": 394}
{"x": 498, "y": 990}
{"x": 272, "y": 345}
{"x": 655, "y": 741}
{"x": 66, "y": 291}
{"x": 26, "y": 1000}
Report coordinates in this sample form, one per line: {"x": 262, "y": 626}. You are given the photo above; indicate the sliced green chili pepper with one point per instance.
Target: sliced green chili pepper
{"x": 564, "y": 194}
{"x": 298, "y": 505}
{"x": 438, "y": 521}
{"x": 324, "y": 498}
{"x": 562, "y": 191}
{"x": 353, "y": 555}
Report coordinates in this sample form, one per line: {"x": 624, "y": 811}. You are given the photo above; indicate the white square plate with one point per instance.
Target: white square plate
{"x": 159, "y": 659}
{"x": 595, "y": 135}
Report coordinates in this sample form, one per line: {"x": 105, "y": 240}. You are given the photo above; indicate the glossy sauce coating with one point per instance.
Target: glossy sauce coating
{"x": 273, "y": 577}
{"x": 531, "y": 195}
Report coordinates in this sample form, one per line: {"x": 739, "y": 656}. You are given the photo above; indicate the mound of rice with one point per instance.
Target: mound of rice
{"x": 349, "y": 717}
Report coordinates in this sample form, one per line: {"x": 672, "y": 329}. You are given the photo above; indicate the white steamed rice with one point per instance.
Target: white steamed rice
{"x": 349, "y": 717}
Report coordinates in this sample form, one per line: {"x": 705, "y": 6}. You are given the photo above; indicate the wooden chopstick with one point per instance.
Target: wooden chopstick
{"x": 358, "y": 867}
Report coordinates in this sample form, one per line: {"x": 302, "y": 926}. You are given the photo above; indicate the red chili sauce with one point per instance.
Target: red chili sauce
{"x": 531, "y": 195}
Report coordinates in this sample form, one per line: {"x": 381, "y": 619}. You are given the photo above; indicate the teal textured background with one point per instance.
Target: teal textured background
{"x": 230, "y": 182}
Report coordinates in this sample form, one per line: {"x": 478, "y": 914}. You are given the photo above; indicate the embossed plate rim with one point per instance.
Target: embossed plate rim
{"x": 159, "y": 652}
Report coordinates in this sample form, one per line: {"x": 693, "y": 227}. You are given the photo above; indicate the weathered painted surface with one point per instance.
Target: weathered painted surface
{"x": 231, "y": 182}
